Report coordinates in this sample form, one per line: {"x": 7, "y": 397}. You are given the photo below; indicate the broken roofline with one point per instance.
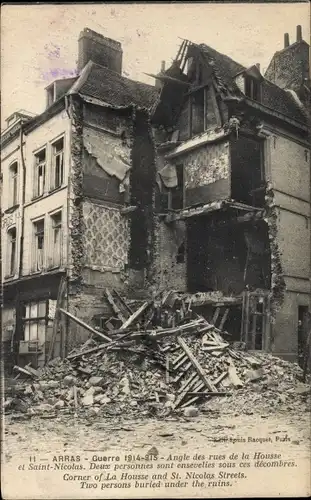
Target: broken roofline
{"x": 265, "y": 109}
{"x": 251, "y": 212}
{"x": 61, "y": 105}
{"x": 207, "y": 137}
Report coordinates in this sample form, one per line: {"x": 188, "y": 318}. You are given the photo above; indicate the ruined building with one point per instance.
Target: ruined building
{"x": 199, "y": 183}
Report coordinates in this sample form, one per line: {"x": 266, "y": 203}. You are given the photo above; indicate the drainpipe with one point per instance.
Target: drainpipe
{"x": 64, "y": 348}
{"x": 21, "y": 248}
{"x": 18, "y": 325}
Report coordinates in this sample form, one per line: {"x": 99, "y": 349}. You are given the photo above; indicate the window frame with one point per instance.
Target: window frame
{"x": 38, "y": 320}
{"x": 35, "y": 259}
{"x": 253, "y": 84}
{"x": 54, "y": 155}
{"x": 36, "y": 169}
{"x": 53, "y": 227}
{"x": 11, "y": 268}
{"x": 13, "y": 181}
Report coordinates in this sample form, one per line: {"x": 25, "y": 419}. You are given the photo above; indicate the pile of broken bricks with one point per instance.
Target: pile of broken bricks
{"x": 158, "y": 361}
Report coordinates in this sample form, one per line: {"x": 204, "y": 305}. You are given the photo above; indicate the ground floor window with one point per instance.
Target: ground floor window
{"x": 34, "y": 322}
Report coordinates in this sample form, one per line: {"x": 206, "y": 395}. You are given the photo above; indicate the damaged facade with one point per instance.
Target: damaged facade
{"x": 235, "y": 171}
{"x": 74, "y": 230}
{"x": 200, "y": 183}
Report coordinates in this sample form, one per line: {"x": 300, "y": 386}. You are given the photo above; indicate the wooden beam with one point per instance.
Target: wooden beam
{"x": 209, "y": 393}
{"x": 114, "y": 306}
{"x": 84, "y": 325}
{"x": 224, "y": 318}
{"x": 199, "y": 387}
{"x": 134, "y": 317}
{"x": 216, "y": 314}
{"x": 196, "y": 365}
{"x": 23, "y": 371}
{"x": 60, "y": 296}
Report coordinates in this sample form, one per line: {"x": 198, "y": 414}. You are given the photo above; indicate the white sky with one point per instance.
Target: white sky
{"x": 37, "y": 40}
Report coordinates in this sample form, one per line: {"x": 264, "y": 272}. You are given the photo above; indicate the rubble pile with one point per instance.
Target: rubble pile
{"x": 163, "y": 360}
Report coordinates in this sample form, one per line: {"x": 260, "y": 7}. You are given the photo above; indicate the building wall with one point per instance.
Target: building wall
{"x": 99, "y": 234}
{"x": 51, "y": 201}
{"x": 290, "y": 167}
{"x": 106, "y": 167}
{"x": 11, "y": 218}
{"x": 43, "y": 136}
{"x": 285, "y": 329}
{"x": 290, "y": 179}
{"x": 289, "y": 173}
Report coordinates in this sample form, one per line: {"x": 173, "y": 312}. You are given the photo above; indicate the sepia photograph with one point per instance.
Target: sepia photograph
{"x": 155, "y": 250}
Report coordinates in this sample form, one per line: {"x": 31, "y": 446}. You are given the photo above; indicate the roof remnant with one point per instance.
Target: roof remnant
{"x": 115, "y": 89}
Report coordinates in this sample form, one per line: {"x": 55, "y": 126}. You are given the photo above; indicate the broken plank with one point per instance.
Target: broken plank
{"x": 215, "y": 347}
{"x": 22, "y": 370}
{"x": 193, "y": 376}
{"x": 124, "y": 303}
{"x": 198, "y": 388}
{"x": 114, "y": 306}
{"x": 31, "y": 370}
{"x": 216, "y": 314}
{"x": 233, "y": 354}
{"x": 134, "y": 317}
{"x": 180, "y": 361}
{"x": 196, "y": 364}
{"x": 216, "y": 353}
{"x": 188, "y": 328}
{"x": 224, "y": 318}
{"x": 167, "y": 369}
{"x": 220, "y": 378}
{"x": 182, "y": 355}
{"x": 190, "y": 402}
{"x": 209, "y": 393}
{"x": 88, "y": 351}
{"x": 183, "y": 394}
{"x": 182, "y": 372}
{"x": 84, "y": 325}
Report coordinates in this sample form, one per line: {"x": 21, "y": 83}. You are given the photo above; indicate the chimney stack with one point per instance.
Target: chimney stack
{"x": 99, "y": 49}
{"x": 299, "y": 33}
{"x": 258, "y": 66}
{"x": 162, "y": 66}
{"x": 286, "y": 40}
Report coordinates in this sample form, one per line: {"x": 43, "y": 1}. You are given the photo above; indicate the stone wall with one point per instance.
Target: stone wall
{"x": 170, "y": 270}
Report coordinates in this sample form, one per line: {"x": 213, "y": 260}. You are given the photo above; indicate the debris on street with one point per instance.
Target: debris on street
{"x": 158, "y": 360}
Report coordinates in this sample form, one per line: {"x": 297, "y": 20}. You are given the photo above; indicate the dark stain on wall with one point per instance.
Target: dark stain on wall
{"x": 142, "y": 180}
{"x": 97, "y": 183}
{"x": 218, "y": 190}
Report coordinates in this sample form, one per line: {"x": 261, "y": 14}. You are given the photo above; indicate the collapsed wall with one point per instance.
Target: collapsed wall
{"x": 278, "y": 286}
{"x": 111, "y": 202}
